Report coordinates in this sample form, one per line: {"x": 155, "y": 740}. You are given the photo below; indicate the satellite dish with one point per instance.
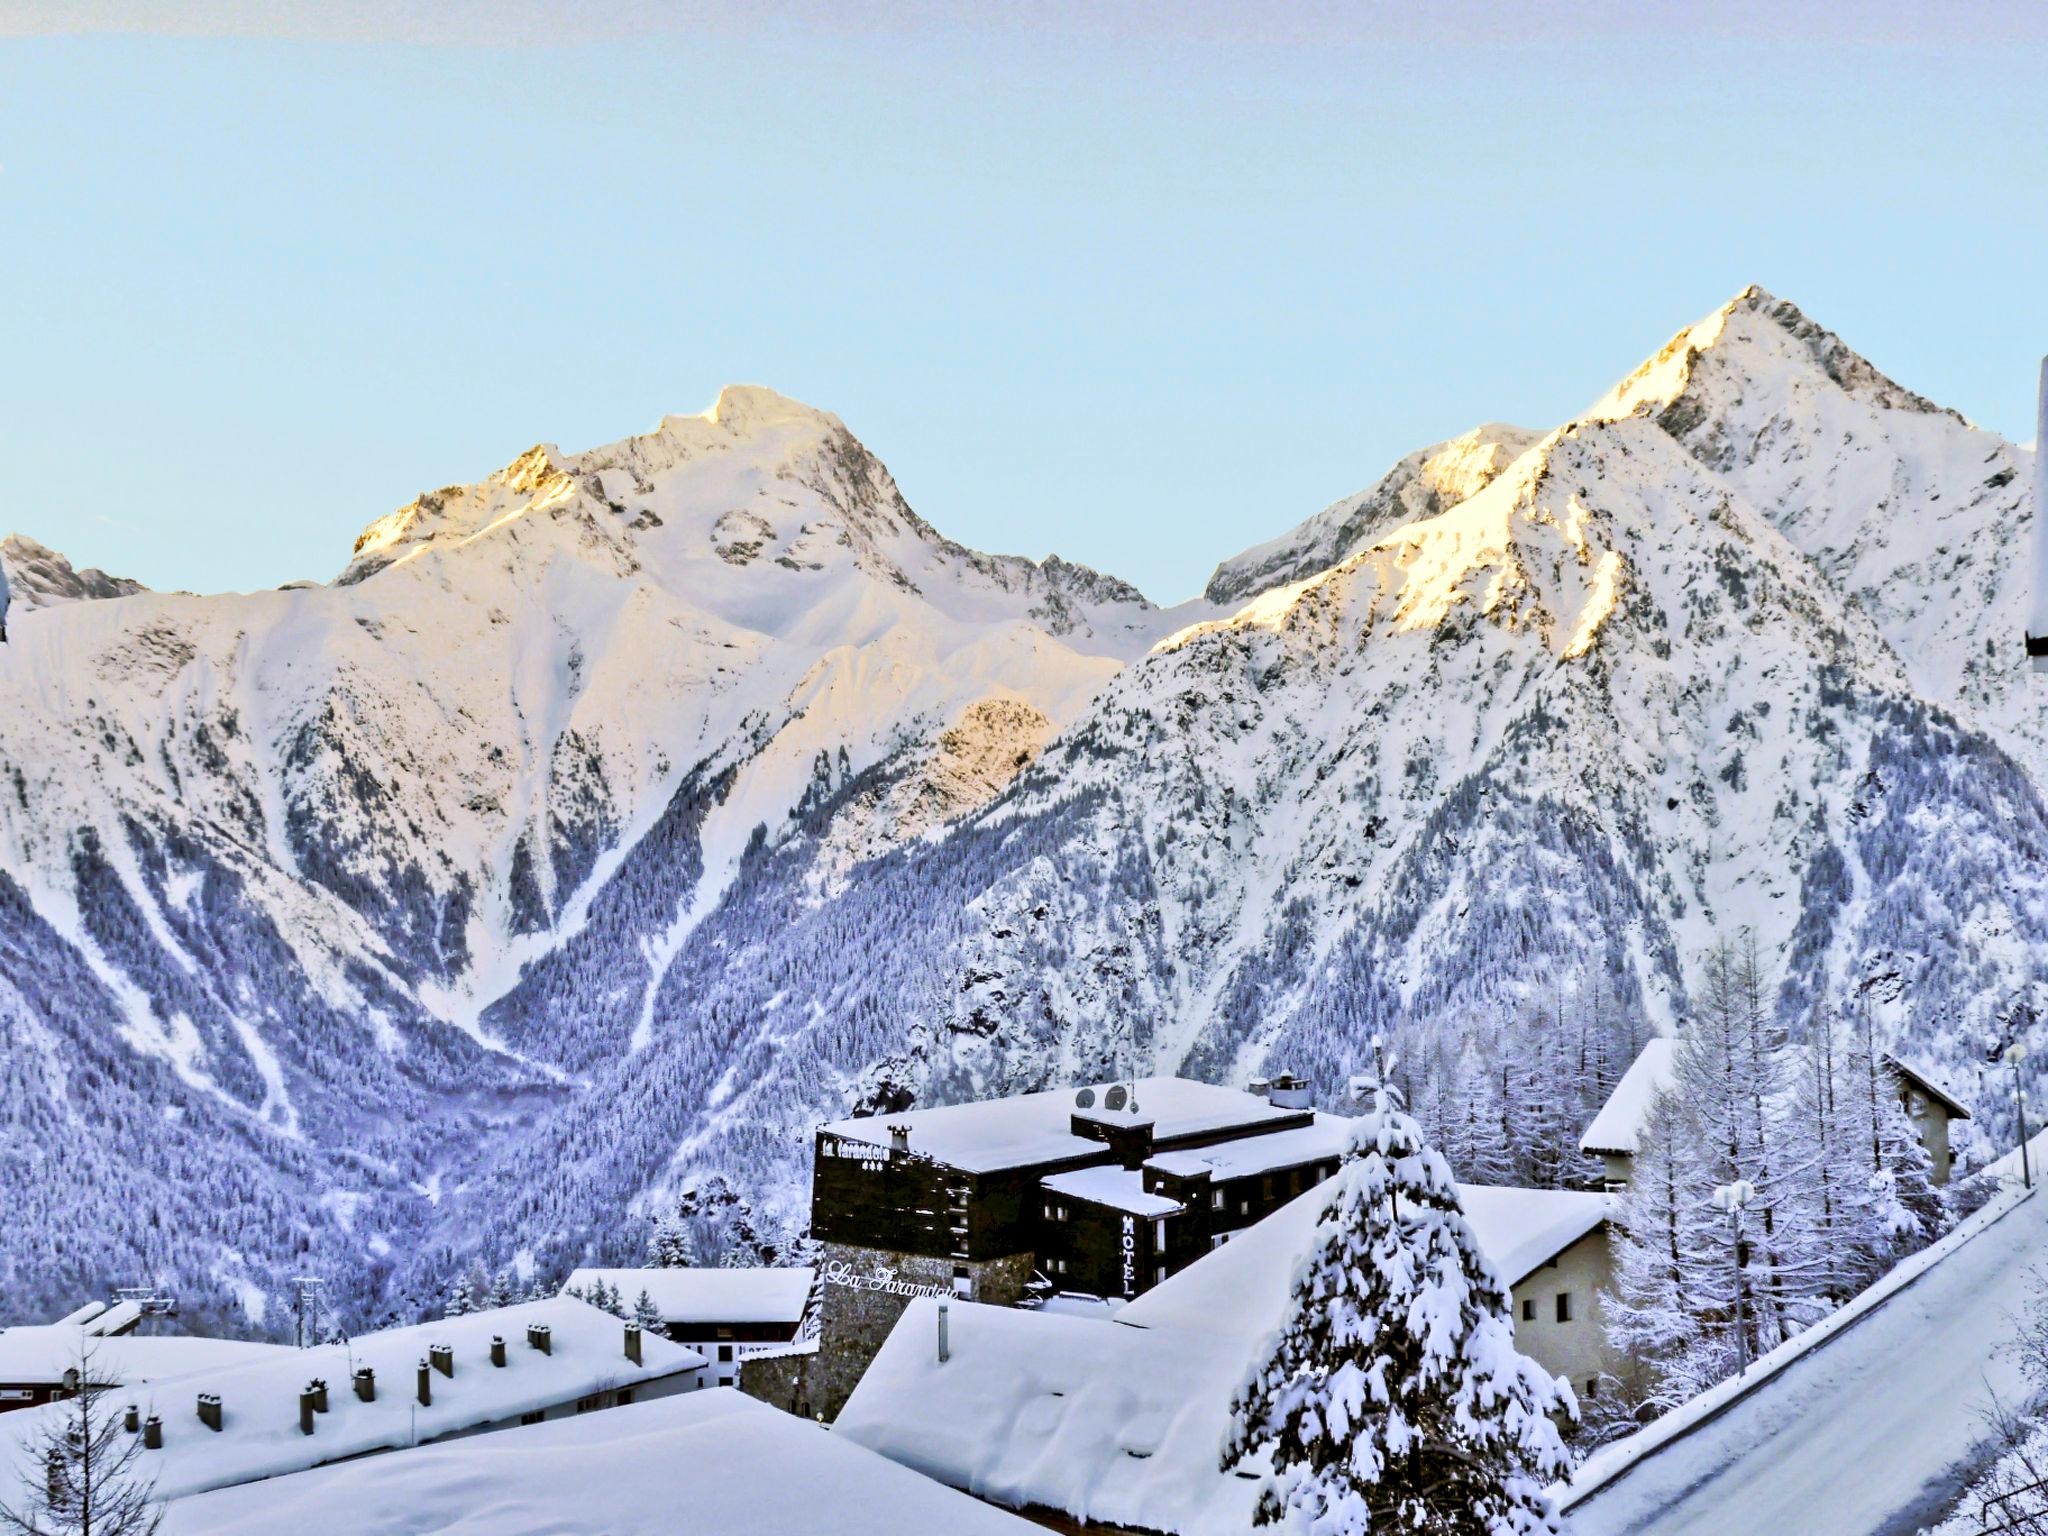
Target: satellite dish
{"x": 1114, "y": 1099}
{"x": 1085, "y": 1099}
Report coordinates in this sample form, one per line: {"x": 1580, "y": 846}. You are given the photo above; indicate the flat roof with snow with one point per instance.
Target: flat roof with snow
{"x": 714, "y": 1463}
{"x": 1033, "y": 1128}
{"x": 260, "y": 1436}
{"x": 710, "y": 1295}
{"x": 1121, "y": 1189}
{"x": 1620, "y": 1121}
{"x": 1251, "y": 1155}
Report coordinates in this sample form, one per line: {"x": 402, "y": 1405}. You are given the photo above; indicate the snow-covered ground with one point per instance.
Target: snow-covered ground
{"x": 1873, "y": 1433}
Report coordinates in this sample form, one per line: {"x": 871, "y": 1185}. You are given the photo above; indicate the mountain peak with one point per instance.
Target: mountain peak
{"x": 1755, "y": 341}
{"x": 741, "y": 408}
{"x": 40, "y": 577}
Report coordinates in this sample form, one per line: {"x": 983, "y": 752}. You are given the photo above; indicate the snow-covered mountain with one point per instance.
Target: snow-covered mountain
{"x": 38, "y": 577}
{"x": 610, "y": 821}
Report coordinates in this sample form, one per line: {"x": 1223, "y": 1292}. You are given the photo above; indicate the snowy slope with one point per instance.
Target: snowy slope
{"x": 38, "y": 577}
{"x": 324, "y": 828}
{"x": 611, "y": 822}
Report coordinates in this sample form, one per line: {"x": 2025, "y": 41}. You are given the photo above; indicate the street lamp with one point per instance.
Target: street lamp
{"x": 1732, "y": 1198}
{"x": 2017, "y": 1053}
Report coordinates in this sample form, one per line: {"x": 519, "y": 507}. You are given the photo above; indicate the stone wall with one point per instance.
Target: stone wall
{"x": 863, "y": 1291}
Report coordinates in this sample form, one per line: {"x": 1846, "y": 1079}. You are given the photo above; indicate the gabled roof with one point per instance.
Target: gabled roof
{"x": 42, "y": 1352}
{"x": 1927, "y": 1085}
{"x": 709, "y": 1295}
{"x": 1035, "y": 1128}
{"x": 712, "y": 1463}
{"x": 1620, "y": 1121}
{"x": 260, "y": 1437}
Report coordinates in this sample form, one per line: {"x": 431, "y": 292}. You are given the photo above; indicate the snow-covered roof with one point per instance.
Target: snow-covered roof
{"x": 1927, "y": 1085}
{"x": 42, "y": 1352}
{"x": 260, "y": 1436}
{"x": 1241, "y": 1289}
{"x": 1038, "y": 1127}
{"x": 1620, "y": 1120}
{"x": 1121, "y": 1189}
{"x": 714, "y": 1463}
{"x": 710, "y": 1295}
{"x": 1118, "y": 1425}
{"x": 1251, "y": 1155}
{"x": 1122, "y": 1422}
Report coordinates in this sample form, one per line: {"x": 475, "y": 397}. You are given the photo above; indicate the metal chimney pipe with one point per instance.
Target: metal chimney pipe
{"x": 306, "y": 1412}
{"x": 945, "y": 1353}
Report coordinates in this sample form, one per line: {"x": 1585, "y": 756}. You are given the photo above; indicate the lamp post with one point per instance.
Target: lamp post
{"x": 1732, "y": 1198}
{"x": 2017, "y": 1053}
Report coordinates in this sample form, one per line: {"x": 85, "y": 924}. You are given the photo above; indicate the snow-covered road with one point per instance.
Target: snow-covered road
{"x": 1869, "y": 1435}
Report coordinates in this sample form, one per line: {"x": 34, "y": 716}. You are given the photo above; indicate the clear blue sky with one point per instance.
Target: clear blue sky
{"x": 1137, "y": 284}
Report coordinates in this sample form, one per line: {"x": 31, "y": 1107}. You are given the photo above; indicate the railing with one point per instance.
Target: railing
{"x": 2025, "y": 1520}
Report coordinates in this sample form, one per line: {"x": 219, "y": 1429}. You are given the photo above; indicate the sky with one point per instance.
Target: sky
{"x": 1137, "y": 284}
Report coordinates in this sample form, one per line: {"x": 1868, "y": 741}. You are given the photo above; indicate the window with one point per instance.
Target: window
{"x": 963, "y": 1282}
{"x": 1062, "y": 1213}
{"x": 725, "y": 1354}
{"x": 1529, "y": 1309}
{"x": 1219, "y": 1200}
{"x": 1048, "y": 1210}
{"x": 531, "y": 1418}
{"x": 1294, "y": 1181}
{"x": 1592, "y": 1388}
{"x": 1244, "y": 1207}
{"x": 1159, "y": 1235}
{"x": 1266, "y": 1187}
{"x": 1218, "y": 1241}
{"x": 1159, "y": 1274}
{"x": 1564, "y": 1306}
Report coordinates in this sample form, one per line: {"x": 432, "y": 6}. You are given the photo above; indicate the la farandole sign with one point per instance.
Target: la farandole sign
{"x": 839, "y": 1272}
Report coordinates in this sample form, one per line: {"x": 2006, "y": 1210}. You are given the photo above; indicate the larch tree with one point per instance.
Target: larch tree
{"x": 1392, "y": 1398}
{"x": 78, "y": 1469}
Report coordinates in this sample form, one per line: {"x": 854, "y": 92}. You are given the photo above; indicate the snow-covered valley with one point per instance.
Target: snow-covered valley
{"x": 608, "y": 823}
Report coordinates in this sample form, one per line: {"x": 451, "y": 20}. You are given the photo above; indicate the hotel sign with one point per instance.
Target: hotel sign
{"x": 1130, "y": 1255}
{"x": 840, "y": 1273}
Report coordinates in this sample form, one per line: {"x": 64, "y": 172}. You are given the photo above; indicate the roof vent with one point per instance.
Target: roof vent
{"x": 633, "y": 1342}
{"x": 443, "y": 1358}
{"x": 541, "y": 1337}
{"x": 899, "y": 1138}
{"x": 209, "y": 1410}
{"x": 497, "y": 1349}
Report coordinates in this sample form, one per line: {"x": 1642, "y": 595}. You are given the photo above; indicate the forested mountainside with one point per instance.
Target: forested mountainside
{"x": 608, "y": 823}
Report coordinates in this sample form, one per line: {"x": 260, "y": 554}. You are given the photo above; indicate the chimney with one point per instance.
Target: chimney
{"x": 541, "y": 1337}
{"x": 1286, "y": 1091}
{"x": 132, "y": 1419}
{"x": 426, "y": 1385}
{"x": 633, "y": 1342}
{"x": 318, "y": 1387}
{"x": 945, "y": 1353}
{"x": 497, "y": 1349}
{"x": 152, "y": 1433}
{"x": 209, "y": 1410}
{"x": 899, "y": 1138}
{"x": 306, "y": 1411}
{"x": 443, "y": 1358}
{"x": 366, "y": 1384}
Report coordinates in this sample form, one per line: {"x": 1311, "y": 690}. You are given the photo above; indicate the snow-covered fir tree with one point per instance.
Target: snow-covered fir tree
{"x": 1392, "y": 1397}
{"x": 461, "y": 1297}
{"x": 669, "y": 1245}
{"x": 646, "y": 1313}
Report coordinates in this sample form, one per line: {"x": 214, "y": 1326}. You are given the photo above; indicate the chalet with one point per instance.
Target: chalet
{"x": 1930, "y": 1107}
{"x": 723, "y": 1314}
{"x": 1082, "y": 1423}
{"x": 710, "y": 1463}
{"x": 40, "y": 1362}
{"x": 1613, "y": 1134}
{"x": 297, "y": 1408}
{"x": 1105, "y": 1189}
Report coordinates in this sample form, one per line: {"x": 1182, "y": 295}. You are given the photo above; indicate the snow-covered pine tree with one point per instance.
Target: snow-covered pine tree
{"x": 646, "y": 1313}
{"x": 461, "y": 1297}
{"x": 504, "y": 1289}
{"x": 1392, "y": 1397}
{"x": 669, "y": 1245}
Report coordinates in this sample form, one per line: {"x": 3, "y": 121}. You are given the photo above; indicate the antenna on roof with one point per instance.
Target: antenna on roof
{"x": 1116, "y": 1097}
{"x": 1085, "y": 1099}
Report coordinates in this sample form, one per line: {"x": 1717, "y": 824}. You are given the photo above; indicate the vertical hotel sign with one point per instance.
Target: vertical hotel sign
{"x": 1130, "y": 1255}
